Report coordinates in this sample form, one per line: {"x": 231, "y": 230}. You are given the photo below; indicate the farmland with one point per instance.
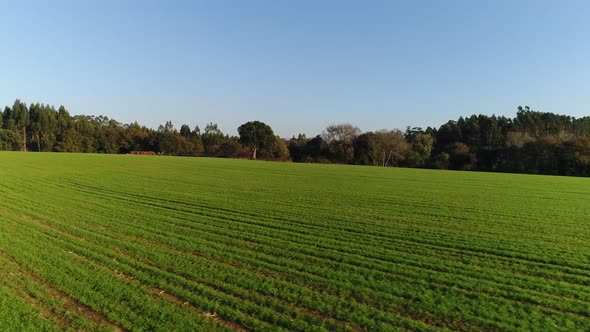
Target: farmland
{"x": 120, "y": 242}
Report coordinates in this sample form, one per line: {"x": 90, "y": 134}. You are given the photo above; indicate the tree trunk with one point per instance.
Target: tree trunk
{"x": 254, "y": 153}
{"x": 388, "y": 158}
{"x": 24, "y": 139}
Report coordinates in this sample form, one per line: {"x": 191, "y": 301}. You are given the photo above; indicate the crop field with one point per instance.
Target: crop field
{"x": 146, "y": 243}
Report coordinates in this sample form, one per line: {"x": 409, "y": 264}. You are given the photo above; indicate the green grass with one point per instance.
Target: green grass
{"x": 117, "y": 242}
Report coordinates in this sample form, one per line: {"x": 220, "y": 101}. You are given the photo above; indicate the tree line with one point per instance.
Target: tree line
{"x": 41, "y": 127}
{"x": 531, "y": 142}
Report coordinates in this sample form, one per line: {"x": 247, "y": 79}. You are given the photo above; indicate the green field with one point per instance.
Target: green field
{"x": 118, "y": 242}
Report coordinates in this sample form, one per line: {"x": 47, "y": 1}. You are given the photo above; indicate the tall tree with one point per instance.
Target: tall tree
{"x": 340, "y": 137}
{"x": 185, "y": 131}
{"x": 255, "y": 135}
{"x": 212, "y": 138}
{"x": 421, "y": 150}
{"x": 381, "y": 148}
{"x": 21, "y": 120}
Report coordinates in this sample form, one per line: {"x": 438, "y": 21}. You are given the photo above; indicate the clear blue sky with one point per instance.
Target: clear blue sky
{"x": 297, "y": 65}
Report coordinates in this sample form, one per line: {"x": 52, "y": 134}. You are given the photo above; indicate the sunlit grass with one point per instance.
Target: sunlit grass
{"x": 163, "y": 243}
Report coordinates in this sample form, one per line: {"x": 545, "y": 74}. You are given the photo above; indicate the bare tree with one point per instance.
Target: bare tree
{"x": 340, "y": 137}
{"x": 391, "y": 147}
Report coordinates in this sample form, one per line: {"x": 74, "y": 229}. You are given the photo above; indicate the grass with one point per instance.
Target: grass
{"x": 117, "y": 242}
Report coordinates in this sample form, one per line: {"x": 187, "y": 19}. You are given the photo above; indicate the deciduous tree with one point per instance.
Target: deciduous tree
{"x": 255, "y": 135}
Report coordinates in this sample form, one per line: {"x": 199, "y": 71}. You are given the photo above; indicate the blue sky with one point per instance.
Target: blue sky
{"x": 297, "y": 65}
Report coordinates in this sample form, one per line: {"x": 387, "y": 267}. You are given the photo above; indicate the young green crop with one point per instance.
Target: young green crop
{"x": 118, "y": 242}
